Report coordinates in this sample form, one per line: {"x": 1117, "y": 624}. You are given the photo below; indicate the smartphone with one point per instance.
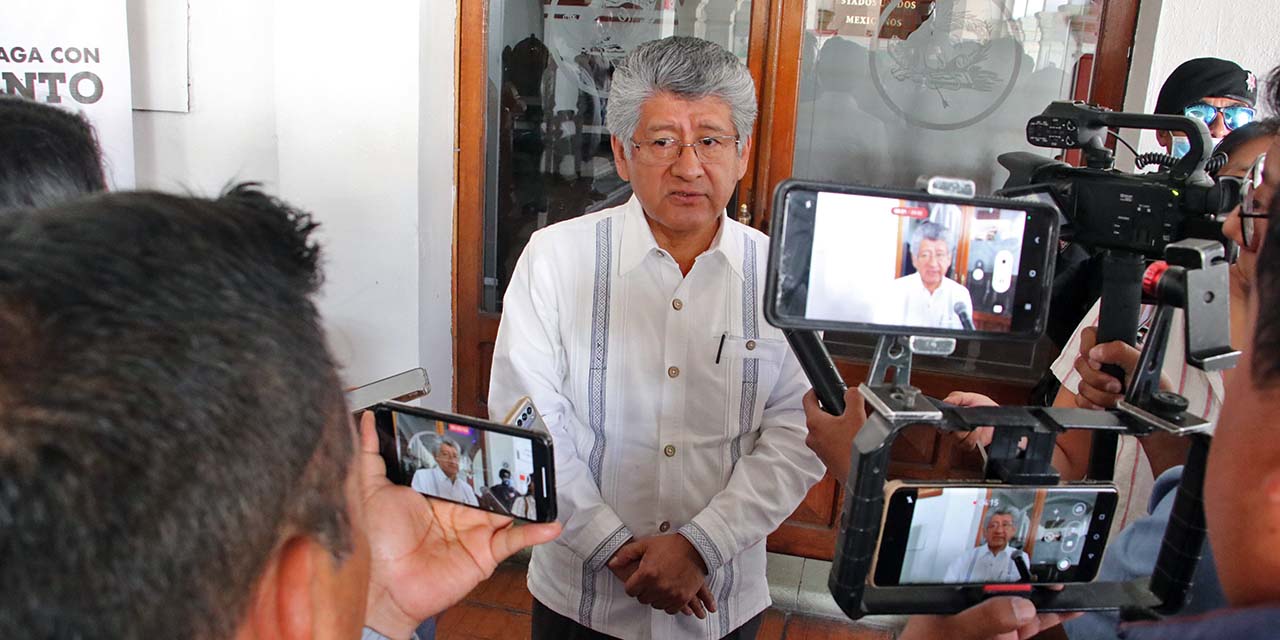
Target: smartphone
{"x": 478, "y": 463}
{"x": 951, "y": 534}
{"x": 525, "y": 416}
{"x": 872, "y": 260}
{"x": 402, "y": 387}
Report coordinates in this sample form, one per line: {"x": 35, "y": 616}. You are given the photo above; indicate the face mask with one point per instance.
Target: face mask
{"x": 1181, "y": 146}
{"x": 506, "y": 481}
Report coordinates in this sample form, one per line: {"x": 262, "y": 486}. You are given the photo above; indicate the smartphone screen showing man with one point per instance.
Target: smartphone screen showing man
{"x": 869, "y": 259}
{"x": 468, "y": 461}
{"x": 912, "y": 275}
{"x": 998, "y": 534}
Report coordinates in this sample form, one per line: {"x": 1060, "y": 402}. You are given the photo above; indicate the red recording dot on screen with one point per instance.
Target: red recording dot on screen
{"x": 912, "y": 212}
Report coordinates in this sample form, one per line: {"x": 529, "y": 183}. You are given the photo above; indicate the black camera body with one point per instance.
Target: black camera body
{"x": 1109, "y": 209}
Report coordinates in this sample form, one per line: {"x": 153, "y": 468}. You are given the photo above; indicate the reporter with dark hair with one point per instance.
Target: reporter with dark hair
{"x": 47, "y": 155}
{"x": 138, "y": 335}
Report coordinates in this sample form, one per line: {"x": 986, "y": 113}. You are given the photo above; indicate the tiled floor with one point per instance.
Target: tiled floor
{"x": 499, "y": 608}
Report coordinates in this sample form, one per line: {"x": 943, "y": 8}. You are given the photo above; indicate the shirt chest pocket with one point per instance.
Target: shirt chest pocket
{"x": 754, "y": 365}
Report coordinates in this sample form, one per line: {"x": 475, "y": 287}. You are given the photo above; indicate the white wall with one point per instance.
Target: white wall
{"x": 1171, "y": 32}
{"x": 437, "y": 195}
{"x": 230, "y": 132}
{"x": 347, "y": 110}
{"x": 947, "y": 525}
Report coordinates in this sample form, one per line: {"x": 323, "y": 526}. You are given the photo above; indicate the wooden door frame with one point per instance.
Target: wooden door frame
{"x": 471, "y": 325}
{"x": 774, "y": 59}
{"x": 475, "y": 329}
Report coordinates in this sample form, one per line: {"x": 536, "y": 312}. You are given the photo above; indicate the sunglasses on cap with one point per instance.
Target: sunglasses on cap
{"x": 1233, "y": 117}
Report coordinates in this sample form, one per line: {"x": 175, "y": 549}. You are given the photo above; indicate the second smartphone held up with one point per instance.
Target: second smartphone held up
{"x": 947, "y": 534}
{"x": 478, "y": 463}
{"x": 901, "y": 262}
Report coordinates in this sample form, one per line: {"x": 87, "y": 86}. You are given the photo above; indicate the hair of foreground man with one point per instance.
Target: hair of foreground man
{"x": 144, "y": 341}
{"x": 176, "y": 459}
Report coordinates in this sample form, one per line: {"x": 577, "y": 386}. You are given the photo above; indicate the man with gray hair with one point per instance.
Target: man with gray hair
{"x": 442, "y": 481}
{"x": 994, "y": 560}
{"x": 674, "y": 406}
{"x": 928, "y": 298}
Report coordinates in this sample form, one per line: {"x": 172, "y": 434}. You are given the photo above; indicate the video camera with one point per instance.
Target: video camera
{"x": 1108, "y": 209}
{"x": 892, "y": 263}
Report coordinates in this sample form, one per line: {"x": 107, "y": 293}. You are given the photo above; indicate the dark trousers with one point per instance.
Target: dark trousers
{"x": 549, "y": 625}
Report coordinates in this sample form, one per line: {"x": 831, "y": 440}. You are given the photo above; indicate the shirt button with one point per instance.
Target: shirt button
{"x": 677, "y": 304}
{"x": 670, "y": 450}
{"x": 664, "y": 527}
{"x": 751, "y": 345}
{"x": 673, "y": 372}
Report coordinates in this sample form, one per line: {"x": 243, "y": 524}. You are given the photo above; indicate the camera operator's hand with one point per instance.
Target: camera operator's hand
{"x": 831, "y": 437}
{"x": 1098, "y": 389}
{"x": 974, "y": 438}
{"x": 426, "y": 554}
{"x": 1004, "y": 618}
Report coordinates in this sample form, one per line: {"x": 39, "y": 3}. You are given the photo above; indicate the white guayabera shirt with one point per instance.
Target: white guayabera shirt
{"x": 673, "y": 407}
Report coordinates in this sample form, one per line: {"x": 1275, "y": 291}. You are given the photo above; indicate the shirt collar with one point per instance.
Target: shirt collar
{"x": 638, "y": 241}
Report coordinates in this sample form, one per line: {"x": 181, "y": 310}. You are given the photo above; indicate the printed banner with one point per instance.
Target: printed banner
{"x": 75, "y": 55}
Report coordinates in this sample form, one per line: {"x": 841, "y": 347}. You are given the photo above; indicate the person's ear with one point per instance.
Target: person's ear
{"x": 742, "y": 157}
{"x": 1164, "y": 139}
{"x": 620, "y": 158}
{"x": 282, "y": 605}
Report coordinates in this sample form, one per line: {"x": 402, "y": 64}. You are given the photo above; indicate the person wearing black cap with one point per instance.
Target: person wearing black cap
{"x": 1217, "y": 92}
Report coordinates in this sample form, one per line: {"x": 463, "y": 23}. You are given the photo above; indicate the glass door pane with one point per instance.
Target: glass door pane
{"x": 550, "y": 62}
{"x": 894, "y": 89}
{"x": 891, "y": 90}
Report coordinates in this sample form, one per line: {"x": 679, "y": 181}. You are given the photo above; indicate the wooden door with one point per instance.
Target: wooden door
{"x": 779, "y": 41}
{"x": 530, "y": 156}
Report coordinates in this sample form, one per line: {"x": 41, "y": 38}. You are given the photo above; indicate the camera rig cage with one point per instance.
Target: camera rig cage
{"x": 1194, "y": 278}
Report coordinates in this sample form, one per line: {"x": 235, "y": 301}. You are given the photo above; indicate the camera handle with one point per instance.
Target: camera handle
{"x": 1181, "y": 547}
{"x": 1117, "y": 320}
{"x": 816, "y": 363}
